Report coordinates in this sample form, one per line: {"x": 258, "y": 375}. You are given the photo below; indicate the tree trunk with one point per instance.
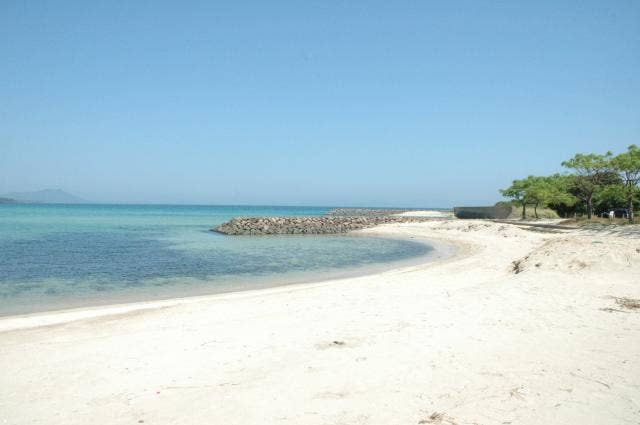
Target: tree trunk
{"x": 630, "y": 209}
{"x": 524, "y": 210}
{"x": 535, "y": 209}
{"x": 589, "y": 206}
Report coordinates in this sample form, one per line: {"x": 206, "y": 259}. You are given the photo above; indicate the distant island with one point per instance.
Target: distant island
{"x": 8, "y": 201}
{"x": 46, "y": 196}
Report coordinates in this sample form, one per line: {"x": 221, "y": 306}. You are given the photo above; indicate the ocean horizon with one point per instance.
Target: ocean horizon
{"x": 57, "y": 256}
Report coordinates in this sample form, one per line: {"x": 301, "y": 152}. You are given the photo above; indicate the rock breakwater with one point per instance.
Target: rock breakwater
{"x": 306, "y": 225}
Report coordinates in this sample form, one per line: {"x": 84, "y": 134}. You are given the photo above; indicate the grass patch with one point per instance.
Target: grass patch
{"x": 516, "y": 213}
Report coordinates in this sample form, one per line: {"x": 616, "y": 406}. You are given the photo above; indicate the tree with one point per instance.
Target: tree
{"x": 533, "y": 190}
{"x": 591, "y": 171}
{"x": 552, "y": 190}
{"x": 609, "y": 197}
{"x": 563, "y": 201}
{"x": 539, "y": 191}
{"x": 627, "y": 165}
{"x": 517, "y": 192}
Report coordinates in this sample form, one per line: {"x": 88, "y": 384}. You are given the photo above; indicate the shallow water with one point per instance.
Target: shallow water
{"x": 59, "y": 256}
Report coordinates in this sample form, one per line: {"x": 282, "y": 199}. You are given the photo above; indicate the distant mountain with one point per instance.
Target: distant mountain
{"x": 8, "y": 201}
{"x": 46, "y": 196}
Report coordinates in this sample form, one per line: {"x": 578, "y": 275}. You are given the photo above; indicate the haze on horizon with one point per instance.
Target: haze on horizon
{"x": 331, "y": 103}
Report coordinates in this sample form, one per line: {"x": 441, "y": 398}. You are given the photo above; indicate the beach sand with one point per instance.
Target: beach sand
{"x": 518, "y": 327}
{"x": 427, "y": 213}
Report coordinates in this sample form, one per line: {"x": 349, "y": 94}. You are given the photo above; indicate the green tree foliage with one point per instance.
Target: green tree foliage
{"x": 539, "y": 191}
{"x": 609, "y": 197}
{"x": 563, "y": 201}
{"x": 552, "y": 190}
{"x": 518, "y": 194}
{"x": 597, "y": 183}
{"x": 604, "y": 197}
{"x": 591, "y": 173}
{"x": 627, "y": 165}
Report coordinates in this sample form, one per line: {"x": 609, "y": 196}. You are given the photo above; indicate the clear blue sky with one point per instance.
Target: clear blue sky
{"x": 421, "y": 103}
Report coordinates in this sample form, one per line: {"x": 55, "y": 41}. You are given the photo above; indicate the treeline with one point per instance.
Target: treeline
{"x": 594, "y": 183}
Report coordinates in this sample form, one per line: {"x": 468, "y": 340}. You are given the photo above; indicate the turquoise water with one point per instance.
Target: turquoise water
{"x": 60, "y": 256}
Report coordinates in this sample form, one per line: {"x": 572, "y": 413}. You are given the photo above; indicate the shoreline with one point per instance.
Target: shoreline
{"x": 441, "y": 250}
{"x": 518, "y": 327}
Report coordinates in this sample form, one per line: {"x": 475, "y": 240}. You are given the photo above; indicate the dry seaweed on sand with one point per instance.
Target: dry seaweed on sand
{"x": 628, "y": 303}
{"x": 438, "y": 418}
{"x": 517, "y": 266}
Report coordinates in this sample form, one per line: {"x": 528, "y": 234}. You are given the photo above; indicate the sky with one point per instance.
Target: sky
{"x": 376, "y": 103}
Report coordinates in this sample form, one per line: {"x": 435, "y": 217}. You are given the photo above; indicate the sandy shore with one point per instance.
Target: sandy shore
{"x": 427, "y": 213}
{"x": 519, "y": 327}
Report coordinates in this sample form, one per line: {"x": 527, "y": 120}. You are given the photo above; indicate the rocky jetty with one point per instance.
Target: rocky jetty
{"x": 321, "y": 225}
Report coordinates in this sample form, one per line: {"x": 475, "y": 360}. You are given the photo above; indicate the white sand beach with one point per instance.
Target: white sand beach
{"x": 518, "y": 327}
{"x": 427, "y": 213}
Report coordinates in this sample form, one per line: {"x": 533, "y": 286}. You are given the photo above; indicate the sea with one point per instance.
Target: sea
{"x": 56, "y": 257}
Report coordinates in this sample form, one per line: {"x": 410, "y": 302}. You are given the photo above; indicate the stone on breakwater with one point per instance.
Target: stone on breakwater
{"x": 306, "y": 225}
